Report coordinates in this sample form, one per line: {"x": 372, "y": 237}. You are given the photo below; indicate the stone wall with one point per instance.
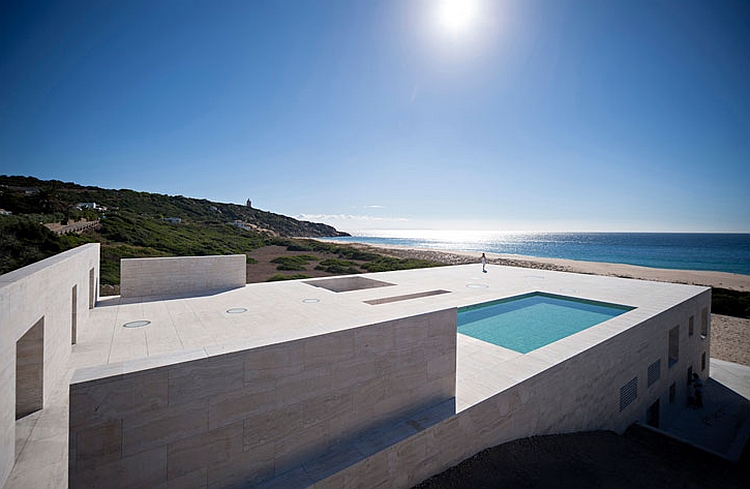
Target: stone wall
{"x": 181, "y": 275}
{"x": 38, "y": 312}
{"x": 251, "y": 415}
{"x": 580, "y": 394}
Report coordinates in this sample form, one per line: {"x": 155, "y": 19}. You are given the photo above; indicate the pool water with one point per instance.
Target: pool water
{"x": 530, "y": 321}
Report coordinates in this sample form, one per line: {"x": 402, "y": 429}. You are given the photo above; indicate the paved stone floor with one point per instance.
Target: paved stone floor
{"x": 722, "y": 425}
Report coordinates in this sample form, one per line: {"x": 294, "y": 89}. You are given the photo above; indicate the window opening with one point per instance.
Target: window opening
{"x": 674, "y": 345}
{"x": 92, "y": 289}
{"x": 654, "y": 372}
{"x": 73, "y": 314}
{"x": 704, "y": 322}
{"x": 30, "y": 370}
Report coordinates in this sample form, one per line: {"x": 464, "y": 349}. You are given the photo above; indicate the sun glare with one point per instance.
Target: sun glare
{"x": 457, "y": 15}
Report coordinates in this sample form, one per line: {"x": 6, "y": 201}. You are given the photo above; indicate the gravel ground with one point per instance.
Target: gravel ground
{"x": 730, "y": 339}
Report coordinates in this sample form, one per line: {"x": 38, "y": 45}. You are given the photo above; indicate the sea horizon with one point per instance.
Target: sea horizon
{"x": 720, "y": 252}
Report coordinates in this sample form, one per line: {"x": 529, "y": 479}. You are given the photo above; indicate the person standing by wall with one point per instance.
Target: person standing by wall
{"x": 484, "y": 263}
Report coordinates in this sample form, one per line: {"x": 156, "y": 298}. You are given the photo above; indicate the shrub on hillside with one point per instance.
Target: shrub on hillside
{"x": 336, "y": 266}
{"x": 298, "y": 262}
{"x": 23, "y": 242}
{"x": 730, "y": 302}
{"x": 279, "y": 277}
{"x": 387, "y": 263}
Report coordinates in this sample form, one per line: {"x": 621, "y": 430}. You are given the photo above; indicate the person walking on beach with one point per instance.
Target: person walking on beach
{"x": 484, "y": 263}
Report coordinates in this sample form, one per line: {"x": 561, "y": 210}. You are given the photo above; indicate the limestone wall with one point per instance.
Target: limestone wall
{"x": 582, "y": 393}
{"x": 251, "y": 415}
{"x": 38, "y": 311}
{"x": 180, "y": 275}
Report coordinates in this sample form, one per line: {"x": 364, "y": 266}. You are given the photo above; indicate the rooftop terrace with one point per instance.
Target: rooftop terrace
{"x": 194, "y": 327}
{"x": 183, "y": 329}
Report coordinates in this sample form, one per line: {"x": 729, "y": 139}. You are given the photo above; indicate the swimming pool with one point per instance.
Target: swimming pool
{"x": 530, "y": 321}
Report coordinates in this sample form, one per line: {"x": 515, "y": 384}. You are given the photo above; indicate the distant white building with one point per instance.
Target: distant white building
{"x": 3, "y": 212}
{"x": 87, "y": 205}
{"x": 243, "y": 225}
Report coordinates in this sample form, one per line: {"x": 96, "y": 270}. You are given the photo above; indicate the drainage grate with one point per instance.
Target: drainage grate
{"x": 654, "y": 372}
{"x": 628, "y": 393}
{"x": 136, "y": 324}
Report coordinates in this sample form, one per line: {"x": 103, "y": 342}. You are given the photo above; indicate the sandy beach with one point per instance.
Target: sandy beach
{"x": 733, "y": 281}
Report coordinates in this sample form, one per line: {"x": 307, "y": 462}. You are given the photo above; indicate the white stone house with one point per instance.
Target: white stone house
{"x": 193, "y": 379}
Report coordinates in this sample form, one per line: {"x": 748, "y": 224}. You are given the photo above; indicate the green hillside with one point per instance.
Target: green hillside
{"x": 132, "y": 224}
{"x": 52, "y": 200}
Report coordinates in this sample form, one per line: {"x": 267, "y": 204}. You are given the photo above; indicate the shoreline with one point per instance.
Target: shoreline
{"x": 724, "y": 280}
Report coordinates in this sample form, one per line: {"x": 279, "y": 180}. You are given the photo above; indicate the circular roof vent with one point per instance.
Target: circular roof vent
{"x": 236, "y": 310}
{"x": 136, "y": 324}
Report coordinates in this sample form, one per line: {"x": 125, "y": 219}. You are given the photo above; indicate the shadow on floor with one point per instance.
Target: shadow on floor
{"x": 721, "y": 426}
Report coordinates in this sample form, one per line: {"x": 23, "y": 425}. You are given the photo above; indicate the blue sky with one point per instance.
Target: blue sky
{"x": 527, "y": 115}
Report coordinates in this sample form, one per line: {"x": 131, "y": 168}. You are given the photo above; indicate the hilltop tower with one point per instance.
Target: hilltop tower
{"x": 248, "y": 203}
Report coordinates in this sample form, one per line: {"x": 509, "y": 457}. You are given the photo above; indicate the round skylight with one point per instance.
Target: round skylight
{"x": 136, "y": 324}
{"x": 236, "y": 310}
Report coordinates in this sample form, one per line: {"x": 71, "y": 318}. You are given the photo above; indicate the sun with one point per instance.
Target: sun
{"x": 457, "y": 15}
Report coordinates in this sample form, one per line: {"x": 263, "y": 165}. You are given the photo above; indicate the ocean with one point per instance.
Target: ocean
{"x": 680, "y": 251}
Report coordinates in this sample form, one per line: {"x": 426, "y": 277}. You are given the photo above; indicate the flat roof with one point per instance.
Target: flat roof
{"x": 196, "y": 327}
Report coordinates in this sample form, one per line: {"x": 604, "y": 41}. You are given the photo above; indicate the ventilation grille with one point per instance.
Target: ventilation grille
{"x": 628, "y": 393}
{"x": 654, "y": 372}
